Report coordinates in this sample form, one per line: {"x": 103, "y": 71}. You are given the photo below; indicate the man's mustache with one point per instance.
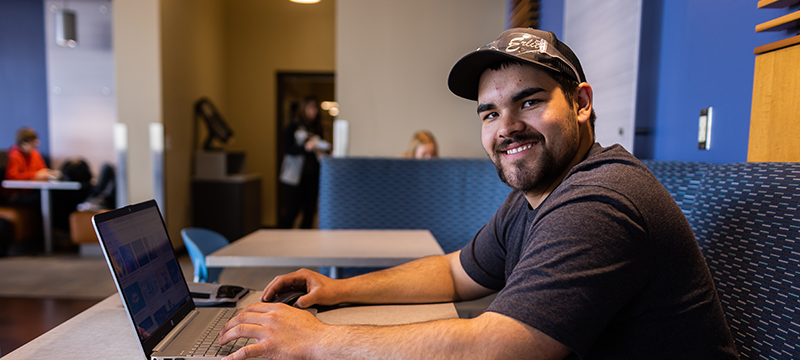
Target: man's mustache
{"x": 519, "y": 137}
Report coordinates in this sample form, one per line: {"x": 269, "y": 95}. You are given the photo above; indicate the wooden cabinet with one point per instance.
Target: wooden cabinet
{"x": 774, "y": 128}
{"x": 774, "y": 120}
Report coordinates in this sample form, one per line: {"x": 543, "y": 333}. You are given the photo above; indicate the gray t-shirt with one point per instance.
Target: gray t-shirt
{"x": 607, "y": 265}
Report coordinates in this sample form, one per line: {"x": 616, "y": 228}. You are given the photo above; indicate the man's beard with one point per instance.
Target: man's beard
{"x": 536, "y": 175}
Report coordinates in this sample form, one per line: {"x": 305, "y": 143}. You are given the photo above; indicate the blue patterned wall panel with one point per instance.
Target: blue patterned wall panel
{"x": 746, "y": 219}
{"x": 452, "y": 198}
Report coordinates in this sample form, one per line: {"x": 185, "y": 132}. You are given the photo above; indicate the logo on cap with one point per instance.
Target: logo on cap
{"x": 525, "y": 44}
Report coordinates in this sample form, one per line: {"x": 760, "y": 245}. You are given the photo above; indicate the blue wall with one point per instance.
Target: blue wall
{"x": 551, "y": 16}
{"x": 23, "y": 82}
{"x": 694, "y": 54}
{"x": 705, "y": 59}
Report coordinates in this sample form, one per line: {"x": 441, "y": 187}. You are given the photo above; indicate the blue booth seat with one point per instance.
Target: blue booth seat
{"x": 680, "y": 178}
{"x": 747, "y": 221}
{"x": 453, "y": 198}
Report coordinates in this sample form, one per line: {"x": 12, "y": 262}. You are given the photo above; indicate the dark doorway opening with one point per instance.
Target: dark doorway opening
{"x": 293, "y": 87}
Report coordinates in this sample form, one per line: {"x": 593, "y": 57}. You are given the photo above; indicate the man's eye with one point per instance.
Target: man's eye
{"x": 490, "y": 116}
{"x": 529, "y": 103}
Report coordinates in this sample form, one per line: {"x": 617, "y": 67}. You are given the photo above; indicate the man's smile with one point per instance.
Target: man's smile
{"x": 517, "y": 149}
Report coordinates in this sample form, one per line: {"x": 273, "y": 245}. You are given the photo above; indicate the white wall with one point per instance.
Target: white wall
{"x": 80, "y": 82}
{"x": 605, "y": 36}
{"x": 392, "y": 62}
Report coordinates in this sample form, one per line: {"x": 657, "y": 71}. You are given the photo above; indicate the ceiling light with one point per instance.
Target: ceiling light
{"x": 305, "y": 1}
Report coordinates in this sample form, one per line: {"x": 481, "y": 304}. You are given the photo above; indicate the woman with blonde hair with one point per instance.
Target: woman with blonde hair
{"x": 422, "y": 146}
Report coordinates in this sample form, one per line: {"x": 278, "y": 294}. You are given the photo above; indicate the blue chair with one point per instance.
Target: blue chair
{"x": 199, "y": 243}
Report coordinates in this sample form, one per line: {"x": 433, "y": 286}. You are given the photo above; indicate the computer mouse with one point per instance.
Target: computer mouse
{"x": 288, "y": 297}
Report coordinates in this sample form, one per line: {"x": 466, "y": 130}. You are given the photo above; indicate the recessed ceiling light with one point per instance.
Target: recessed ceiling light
{"x": 305, "y": 1}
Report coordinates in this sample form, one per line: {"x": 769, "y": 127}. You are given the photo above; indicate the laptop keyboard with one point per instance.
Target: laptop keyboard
{"x": 208, "y": 343}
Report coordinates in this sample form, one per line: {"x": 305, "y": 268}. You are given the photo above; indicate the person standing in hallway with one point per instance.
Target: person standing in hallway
{"x": 304, "y": 148}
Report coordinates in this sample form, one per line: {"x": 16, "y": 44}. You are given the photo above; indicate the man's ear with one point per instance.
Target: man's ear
{"x": 584, "y": 100}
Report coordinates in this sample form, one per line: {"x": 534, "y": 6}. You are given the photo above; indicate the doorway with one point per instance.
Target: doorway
{"x": 292, "y": 88}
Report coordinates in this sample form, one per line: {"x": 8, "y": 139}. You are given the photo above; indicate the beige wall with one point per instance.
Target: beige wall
{"x": 393, "y": 58}
{"x": 262, "y": 38}
{"x": 193, "y": 59}
{"x": 137, "y": 55}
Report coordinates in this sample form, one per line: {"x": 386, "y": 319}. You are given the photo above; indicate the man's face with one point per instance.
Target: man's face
{"x": 28, "y": 146}
{"x": 528, "y": 129}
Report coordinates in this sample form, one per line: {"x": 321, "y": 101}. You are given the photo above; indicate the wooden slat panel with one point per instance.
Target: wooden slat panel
{"x": 774, "y": 130}
{"x": 782, "y": 23}
{"x": 777, "y": 45}
{"x": 776, "y": 3}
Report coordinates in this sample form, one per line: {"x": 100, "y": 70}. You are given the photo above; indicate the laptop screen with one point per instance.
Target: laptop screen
{"x": 145, "y": 268}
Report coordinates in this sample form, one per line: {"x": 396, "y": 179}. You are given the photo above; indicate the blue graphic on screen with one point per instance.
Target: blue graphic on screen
{"x": 146, "y": 268}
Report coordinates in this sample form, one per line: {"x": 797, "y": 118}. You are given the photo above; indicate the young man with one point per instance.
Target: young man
{"x": 590, "y": 256}
{"x": 26, "y": 163}
{"x": 24, "y": 160}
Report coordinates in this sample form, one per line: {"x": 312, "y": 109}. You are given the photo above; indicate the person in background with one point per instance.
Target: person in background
{"x": 303, "y": 141}
{"x": 24, "y": 160}
{"x": 26, "y": 163}
{"x": 422, "y": 146}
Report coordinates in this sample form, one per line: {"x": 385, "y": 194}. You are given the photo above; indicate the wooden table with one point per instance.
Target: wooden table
{"x": 104, "y": 331}
{"x": 334, "y": 248}
{"x": 44, "y": 187}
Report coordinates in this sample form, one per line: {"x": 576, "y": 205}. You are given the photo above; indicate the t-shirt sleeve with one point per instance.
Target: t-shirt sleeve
{"x": 585, "y": 258}
{"x": 484, "y": 257}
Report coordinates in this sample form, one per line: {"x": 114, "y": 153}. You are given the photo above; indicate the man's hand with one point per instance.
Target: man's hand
{"x": 281, "y": 332}
{"x": 47, "y": 174}
{"x": 321, "y": 289}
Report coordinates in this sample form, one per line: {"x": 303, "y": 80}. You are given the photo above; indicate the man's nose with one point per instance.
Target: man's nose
{"x": 510, "y": 125}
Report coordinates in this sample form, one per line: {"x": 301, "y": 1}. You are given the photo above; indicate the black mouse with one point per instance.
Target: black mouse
{"x": 288, "y": 297}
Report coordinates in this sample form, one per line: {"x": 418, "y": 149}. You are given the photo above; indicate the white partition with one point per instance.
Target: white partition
{"x": 605, "y": 36}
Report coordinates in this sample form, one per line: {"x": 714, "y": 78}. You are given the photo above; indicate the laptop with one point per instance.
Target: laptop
{"x": 153, "y": 289}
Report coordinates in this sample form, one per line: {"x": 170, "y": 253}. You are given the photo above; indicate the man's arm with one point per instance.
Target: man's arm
{"x": 430, "y": 279}
{"x": 287, "y": 333}
{"x": 283, "y": 332}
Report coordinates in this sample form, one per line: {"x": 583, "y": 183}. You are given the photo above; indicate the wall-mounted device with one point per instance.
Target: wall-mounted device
{"x": 66, "y": 33}
{"x": 704, "y": 133}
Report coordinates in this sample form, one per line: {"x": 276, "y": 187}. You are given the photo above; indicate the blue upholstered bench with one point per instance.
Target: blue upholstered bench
{"x": 747, "y": 222}
{"x": 747, "y": 219}
{"x": 453, "y": 198}
{"x": 680, "y": 178}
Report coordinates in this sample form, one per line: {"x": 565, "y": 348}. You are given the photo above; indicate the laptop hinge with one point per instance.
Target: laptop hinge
{"x": 172, "y": 334}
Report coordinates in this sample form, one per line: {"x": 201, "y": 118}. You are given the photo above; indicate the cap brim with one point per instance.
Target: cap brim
{"x": 466, "y": 73}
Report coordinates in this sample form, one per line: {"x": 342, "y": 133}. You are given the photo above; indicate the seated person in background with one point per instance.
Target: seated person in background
{"x": 422, "y": 146}
{"x": 24, "y": 160}
{"x": 589, "y": 255}
{"x": 26, "y": 163}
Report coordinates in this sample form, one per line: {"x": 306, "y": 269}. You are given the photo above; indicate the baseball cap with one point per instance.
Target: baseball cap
{"x": 537, "y": 47}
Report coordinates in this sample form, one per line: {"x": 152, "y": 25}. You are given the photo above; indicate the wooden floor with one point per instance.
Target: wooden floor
{"x": 24, "y": 319}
